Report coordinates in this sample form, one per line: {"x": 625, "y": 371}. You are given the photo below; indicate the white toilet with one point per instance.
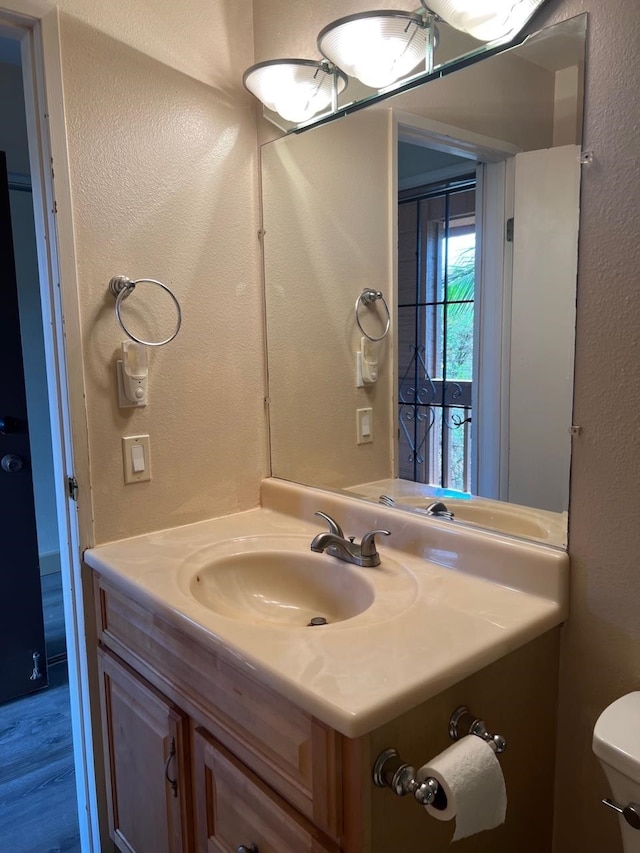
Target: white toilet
{"x": 616, "y": 742}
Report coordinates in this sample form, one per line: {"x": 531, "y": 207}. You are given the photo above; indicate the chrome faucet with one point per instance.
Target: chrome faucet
{"x": 439, "y": 509}
{"x": 336, "y": 545}
{"x": 436, "y": 508}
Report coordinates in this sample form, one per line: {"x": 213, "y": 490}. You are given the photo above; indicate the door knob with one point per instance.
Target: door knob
{"x": 11, "y": 463}
{"x": 251, "y": 848}
{"x": 9, "y": 425}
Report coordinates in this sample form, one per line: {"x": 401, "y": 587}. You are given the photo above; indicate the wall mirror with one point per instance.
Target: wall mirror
{"x": 450, "y": 210}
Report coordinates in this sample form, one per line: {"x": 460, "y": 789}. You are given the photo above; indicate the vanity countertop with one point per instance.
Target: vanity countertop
{"x": 448, "y": 602}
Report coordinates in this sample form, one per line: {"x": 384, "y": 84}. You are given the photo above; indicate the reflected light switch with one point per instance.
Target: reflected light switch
{"x": 364, "y": 426}
{"x": 136, "y": 458}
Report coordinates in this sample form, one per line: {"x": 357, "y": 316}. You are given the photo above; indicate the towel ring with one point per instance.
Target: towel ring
{"x": 122, "y": 287}
{"x": 370, "y": 297}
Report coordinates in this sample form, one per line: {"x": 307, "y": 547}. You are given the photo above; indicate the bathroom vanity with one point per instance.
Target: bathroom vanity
{"x": 227, "y": 727}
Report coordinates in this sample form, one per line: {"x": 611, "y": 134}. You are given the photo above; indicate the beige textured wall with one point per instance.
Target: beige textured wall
{"x": 164, "y": 184}
{"x": 209, "y": 41}
{"x": 601, "y": 641}
{"x": 601, "y": 649}
{"x": 343, "y": 202}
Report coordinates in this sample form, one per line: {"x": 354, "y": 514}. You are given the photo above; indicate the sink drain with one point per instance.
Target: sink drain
{"x": 317, "y": 620}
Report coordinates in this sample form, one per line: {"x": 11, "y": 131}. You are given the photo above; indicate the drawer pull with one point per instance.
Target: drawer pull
{"x": 172, "y": 754}
{"x": 244, "y": 848}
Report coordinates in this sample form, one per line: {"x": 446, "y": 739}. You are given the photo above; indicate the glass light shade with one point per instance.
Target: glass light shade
{"x": 377, "y": 48}
{"x": 487, "y": 21}
{"x": 296, "y": 89}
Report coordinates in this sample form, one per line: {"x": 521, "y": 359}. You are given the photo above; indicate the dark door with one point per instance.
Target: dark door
{"x": 23, "y": 666}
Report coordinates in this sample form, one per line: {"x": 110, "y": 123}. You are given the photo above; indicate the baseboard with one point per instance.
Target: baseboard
{"x": 49, "y": 563}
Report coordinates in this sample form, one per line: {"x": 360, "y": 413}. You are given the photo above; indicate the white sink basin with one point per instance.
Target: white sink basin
{"x": 277, "y": 581}
{"x": 282, "y": 587}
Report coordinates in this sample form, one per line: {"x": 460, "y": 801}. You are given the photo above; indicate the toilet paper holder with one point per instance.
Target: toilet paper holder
{"x": 390, "y": 771}
{"x": 463, "y": 722}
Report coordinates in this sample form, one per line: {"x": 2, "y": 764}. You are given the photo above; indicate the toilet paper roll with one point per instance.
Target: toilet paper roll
{"x": 471, "y": 777}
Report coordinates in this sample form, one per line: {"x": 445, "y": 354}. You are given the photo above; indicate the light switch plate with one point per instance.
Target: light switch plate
{"x": 364, "y": 426}
{"x": 139, "y": 442}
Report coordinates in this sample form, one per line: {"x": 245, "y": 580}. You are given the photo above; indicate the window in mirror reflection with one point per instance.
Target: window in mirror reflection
{"x": 436, "y": 292}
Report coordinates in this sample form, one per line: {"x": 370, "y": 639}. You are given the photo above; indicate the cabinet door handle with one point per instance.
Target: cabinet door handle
{"x": 172, "y": 754}
{"x": 244, "y": 848}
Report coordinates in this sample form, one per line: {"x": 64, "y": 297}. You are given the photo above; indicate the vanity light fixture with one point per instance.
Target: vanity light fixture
{"x": 379, "y": 48}
{"x": 296, "y": 89}
{"x": 489, "y": 20}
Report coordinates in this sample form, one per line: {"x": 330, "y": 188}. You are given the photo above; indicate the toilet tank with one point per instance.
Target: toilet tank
{"x": 616, "y": 736}
{"x": 616, "y": 742}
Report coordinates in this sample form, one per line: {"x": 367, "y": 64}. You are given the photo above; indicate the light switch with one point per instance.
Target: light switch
{"x": 136, "y": 457}
{"x": 364, "y": 426}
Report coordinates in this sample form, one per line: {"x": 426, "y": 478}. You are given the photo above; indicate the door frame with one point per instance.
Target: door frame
{"x": 39, "y": 37}
{"x": 493, "y": 270}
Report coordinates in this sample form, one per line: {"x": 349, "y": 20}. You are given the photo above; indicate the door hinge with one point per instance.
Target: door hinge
{"x": 509, "y": 230}
{"x": 72, "y": 488}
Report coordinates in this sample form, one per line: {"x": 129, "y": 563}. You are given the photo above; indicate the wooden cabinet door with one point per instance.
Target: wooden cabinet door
{"x": 235, "y": 810}
{"x": 145, "y": 743}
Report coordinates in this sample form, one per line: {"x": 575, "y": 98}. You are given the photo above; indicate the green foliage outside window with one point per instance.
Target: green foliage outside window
{"x": 460, "y": 287}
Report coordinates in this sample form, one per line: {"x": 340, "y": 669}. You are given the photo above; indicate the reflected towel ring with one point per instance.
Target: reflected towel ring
{"x": 370, "y": 297}
{"x": 121, "y": 287}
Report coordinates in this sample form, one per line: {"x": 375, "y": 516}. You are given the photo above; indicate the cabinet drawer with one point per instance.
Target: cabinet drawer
{"x": 234, "y": 808}
{"x": 293, "y": 752}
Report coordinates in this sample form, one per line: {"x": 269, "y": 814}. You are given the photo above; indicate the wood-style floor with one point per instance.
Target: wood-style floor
{"x": 53, "y": 612}
{"x": 38, "y": 811}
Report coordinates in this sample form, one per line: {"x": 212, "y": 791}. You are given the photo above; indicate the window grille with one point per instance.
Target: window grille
{"x": 436, "y": 251}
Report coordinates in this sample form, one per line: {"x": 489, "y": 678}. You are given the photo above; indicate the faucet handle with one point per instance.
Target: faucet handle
{"x": 334, "y": 527}
{"x": 368, "y": 544}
